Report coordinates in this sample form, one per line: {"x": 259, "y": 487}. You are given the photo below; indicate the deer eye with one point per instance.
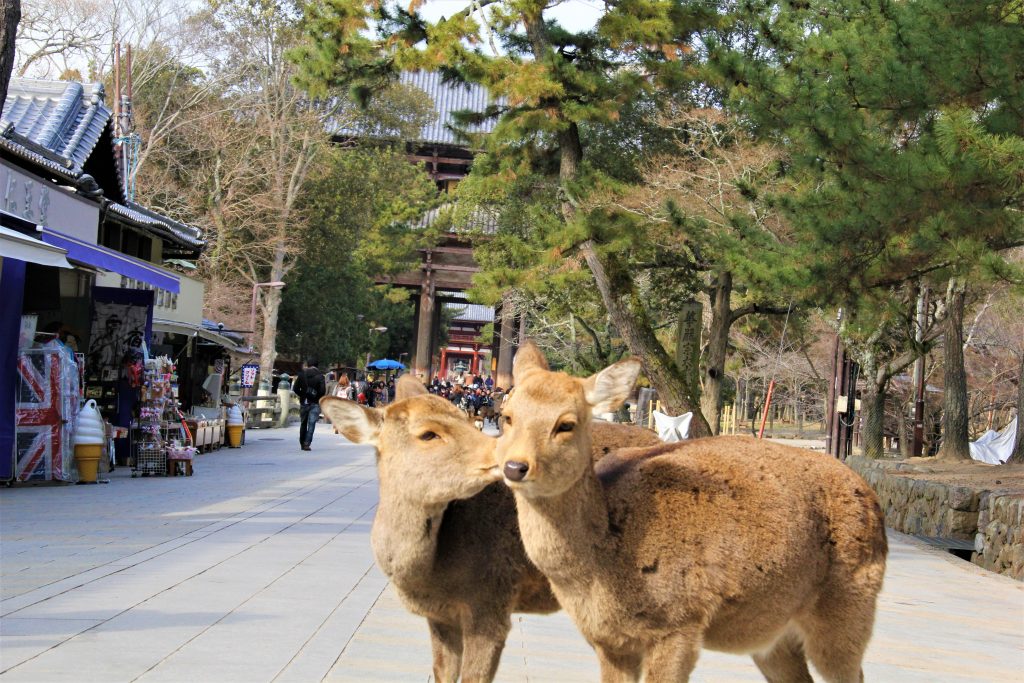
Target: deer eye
{"x": 428, "y": 436}
{"x": 565, "y": 427}
{"x": 508, "y": 420}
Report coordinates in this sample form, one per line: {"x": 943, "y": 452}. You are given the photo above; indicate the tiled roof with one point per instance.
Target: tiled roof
{"x": 54, "y": 123}
{"x": 479, "y": 220}
{"x": 448, "y": 98}
{"x": 57, "y": 125}
{"x": 472, "y": 312}
{"x": 168, "y": 228}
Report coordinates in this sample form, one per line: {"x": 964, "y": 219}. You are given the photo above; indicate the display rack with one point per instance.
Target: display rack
{"x": 157, "y": 426}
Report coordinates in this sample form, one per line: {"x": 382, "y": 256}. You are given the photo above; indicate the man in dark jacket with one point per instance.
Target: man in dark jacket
{"x": 310, "y": 387}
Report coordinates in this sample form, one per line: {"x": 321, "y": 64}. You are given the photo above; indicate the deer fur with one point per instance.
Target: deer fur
{"x": 445, "y": 530}
{"x": 725, "y": 543}
{"x": 609, "y": 437}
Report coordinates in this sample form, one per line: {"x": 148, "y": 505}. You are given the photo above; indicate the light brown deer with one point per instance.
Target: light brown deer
{"x": 726, "y": 543}
{"x": 445, "y": 530}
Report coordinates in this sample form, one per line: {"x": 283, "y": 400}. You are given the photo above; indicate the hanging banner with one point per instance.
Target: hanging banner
{"x": 122, "y": 323}
{"x": 249, "y": 371}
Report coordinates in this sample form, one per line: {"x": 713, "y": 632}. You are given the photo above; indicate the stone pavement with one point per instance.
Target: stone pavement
{"x": 259, "y": 569}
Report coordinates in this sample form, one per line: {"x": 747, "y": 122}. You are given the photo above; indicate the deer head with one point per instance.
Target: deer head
{"x": 426, "y": 448}
{"x": 545, "y": 445}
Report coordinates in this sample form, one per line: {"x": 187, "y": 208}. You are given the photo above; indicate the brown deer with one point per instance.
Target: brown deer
{"x": 445, "y": 530}
{"x": 725, "y": 543}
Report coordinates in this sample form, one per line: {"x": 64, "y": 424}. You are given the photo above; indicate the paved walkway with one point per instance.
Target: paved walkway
{"x": 259, "y": 568}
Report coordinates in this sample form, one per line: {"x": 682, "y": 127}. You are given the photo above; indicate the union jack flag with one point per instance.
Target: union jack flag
{"x": 43, "y": 435}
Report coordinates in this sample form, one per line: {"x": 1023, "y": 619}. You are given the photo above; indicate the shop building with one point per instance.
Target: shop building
{"x": 82, "y": 263}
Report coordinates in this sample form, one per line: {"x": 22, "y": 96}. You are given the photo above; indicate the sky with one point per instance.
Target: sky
{"x": 574, "y": 15}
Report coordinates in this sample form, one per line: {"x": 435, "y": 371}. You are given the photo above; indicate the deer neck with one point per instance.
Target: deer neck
{"x": 404, "y": 537}
{"x": 567, "y": 536}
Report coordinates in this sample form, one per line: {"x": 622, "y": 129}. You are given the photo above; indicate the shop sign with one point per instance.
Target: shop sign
{"x": 42, "y": 202}
{"x": 249, "y": 371}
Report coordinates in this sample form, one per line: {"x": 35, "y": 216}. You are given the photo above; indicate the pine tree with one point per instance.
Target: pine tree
{"x": 904, "y": 124}
{"x": 551, "y": 87}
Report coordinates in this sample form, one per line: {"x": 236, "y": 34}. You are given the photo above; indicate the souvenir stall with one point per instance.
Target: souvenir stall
{"x": 160, "y": 441}
{"x": 202, "y": 358}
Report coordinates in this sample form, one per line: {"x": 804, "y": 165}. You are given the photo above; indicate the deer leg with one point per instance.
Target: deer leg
{"x": 446, "y": 644}
{"x": 836, "y": 637}
{"x": 619, "y": 667}
{"x": 785, "y": 662}
{"x": 672, "y": 658}
{"x": 482, "y": 646}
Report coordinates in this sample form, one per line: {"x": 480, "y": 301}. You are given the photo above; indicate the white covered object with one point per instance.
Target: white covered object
{"x": 995, "y": 447}
{"x": 89, "y": 431}
{"x": 235, "y": 416}
{"x": 670, "y": 428}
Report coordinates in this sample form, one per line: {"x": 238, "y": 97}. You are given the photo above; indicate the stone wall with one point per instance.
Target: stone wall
{"x": 999, "y": 544}
{"x": 913, "y": 504}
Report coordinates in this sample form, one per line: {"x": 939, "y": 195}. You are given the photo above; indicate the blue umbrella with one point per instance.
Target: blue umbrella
{"x": 386, "y": 364}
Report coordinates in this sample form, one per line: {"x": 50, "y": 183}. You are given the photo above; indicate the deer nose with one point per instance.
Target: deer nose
{"x": 516, "y": 471}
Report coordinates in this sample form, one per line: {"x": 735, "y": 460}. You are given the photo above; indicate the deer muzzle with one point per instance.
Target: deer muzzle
{"x": 516, "y": 471}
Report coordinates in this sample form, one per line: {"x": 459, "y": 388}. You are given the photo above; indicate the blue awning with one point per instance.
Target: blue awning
{"x": 108, "y": 259}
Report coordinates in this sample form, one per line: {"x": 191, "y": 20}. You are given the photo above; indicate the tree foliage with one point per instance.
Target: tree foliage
{"x": 359, "y": 205}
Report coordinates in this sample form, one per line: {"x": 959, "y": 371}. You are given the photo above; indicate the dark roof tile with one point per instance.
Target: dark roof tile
{"x": 64, "y": 118}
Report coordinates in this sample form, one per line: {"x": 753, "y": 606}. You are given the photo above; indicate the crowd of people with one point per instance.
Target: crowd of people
{"x": 367, "y": 390}
{"x": 478, "y": 396}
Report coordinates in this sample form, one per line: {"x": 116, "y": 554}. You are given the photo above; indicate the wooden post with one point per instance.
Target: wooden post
{"x": 767, "y": 407}
{"x": 425, "y": 328}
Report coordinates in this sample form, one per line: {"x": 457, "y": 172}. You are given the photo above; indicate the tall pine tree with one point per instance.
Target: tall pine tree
{"x": 551, "y": 85}
{"x": 904, "y": 123}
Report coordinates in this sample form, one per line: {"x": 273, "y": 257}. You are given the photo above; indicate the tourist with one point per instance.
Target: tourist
{"x": 310, "y": 387}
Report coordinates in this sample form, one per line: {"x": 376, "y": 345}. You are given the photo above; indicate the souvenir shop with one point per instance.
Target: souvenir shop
{"x": 81, "y": 275}
{"x": 107, "y": 363}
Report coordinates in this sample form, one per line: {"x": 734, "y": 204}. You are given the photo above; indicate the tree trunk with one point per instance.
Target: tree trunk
{"x": 271, "y": 308}
{"x": 873, "y": 414}
{"x": 954, "y": 416}
{"x": 8, "y": 31}
{"x": 717, "y": 349}
{"x": 625, "y": 307}
{"x": 627, "y": 311}
{"x": 623, "y": 303}
{"x": 506, "y": 344}
{"x": 1018, "y": 450}
{"x": 906, "y": 447}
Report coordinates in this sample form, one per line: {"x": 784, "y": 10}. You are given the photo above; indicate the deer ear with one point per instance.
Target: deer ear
{"x": 356, "y": 423}
{"x": 408, "y": 386}
{"x": 608, "y": 389}
{"x": 528, "y": 358}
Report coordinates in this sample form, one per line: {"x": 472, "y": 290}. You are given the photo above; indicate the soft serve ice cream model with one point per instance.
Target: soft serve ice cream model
{"x": 88, "y": 441}
{"x": 235, "y": 426}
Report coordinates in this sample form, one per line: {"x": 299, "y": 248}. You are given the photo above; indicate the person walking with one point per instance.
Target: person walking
{"x": 310, "y": 387}
{"x": 344, "y": 389}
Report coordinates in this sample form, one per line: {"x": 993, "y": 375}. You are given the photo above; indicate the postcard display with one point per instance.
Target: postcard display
{"x": 47, "y": 401}
{"x": 158, "y": 428}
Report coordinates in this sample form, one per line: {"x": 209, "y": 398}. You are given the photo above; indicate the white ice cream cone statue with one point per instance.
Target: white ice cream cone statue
{"x": 235, "y": 426}
{"x": 89, "y": 436}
